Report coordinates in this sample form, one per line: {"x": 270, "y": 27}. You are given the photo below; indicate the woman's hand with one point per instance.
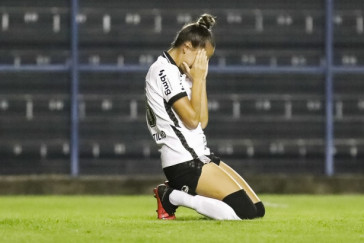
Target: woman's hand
{"x": 199, "y": 69}
{"x": 193, "y": 112}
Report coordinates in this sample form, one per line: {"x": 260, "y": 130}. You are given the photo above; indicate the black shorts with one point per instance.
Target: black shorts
{"x": 185, "y": 176}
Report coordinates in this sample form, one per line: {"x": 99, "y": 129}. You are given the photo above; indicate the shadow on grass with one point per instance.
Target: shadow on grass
{"x": 193, "y": 218}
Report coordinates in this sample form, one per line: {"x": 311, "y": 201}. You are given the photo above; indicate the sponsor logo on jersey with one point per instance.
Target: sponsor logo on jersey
{"x": 165, "y": 82}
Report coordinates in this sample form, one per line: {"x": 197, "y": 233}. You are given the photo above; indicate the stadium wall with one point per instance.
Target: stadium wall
{"x": 126, "y": 185}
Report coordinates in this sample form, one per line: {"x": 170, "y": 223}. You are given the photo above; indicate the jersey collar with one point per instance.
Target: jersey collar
{"x": 170, "y": 60}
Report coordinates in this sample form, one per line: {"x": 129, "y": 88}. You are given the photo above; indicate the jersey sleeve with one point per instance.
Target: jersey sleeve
{"x": 171, "y": 85}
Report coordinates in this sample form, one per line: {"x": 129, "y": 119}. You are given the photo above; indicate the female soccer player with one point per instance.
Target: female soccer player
{"x": 177, "y": 113}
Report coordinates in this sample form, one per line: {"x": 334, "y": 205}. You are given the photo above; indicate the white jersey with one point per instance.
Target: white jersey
{"x": 164, "y": 85}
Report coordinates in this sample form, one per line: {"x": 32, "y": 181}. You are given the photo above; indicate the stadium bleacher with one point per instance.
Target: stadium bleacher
{"x": 259, "y": 122}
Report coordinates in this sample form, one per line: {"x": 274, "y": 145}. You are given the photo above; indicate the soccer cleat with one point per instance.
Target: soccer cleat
{"x": 165, "y": 209}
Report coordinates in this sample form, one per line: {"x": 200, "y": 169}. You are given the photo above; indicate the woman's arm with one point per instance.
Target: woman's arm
{"x": 204, "y": 115}
{"x": 189, "y": 115}
{"x": 191, "y": 111}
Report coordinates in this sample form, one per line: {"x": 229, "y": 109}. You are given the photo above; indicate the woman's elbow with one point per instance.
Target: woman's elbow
{"x": 191, "y": 124}
{"x": 204, "y": 124}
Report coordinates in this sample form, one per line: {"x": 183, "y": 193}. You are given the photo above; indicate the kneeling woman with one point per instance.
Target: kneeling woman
{"x": 177, "y": 113}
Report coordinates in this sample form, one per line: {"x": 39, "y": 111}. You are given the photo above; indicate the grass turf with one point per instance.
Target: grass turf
{"x": 296, "y": 218}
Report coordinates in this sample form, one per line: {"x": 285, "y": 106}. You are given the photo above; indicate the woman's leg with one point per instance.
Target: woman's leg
{"x": 242, "y": 183}
{"x": 209, "y": 203}
{"x": 168, "y": 199}
{"x": 215, "y": 182}
{"x": 209, "y": 207}
{"x": 245, "y": 186}
{"x": 219, "y": 195}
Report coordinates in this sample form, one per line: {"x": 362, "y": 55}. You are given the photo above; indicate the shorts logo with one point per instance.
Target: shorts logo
{"x": 165, "y": 82}
{"x": 185, "y": 189}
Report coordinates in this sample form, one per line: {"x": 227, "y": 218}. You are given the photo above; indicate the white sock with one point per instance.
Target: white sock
{"x": 206, "y": 206}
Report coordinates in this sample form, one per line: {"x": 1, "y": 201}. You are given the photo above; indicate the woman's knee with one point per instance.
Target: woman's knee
{"x": 242, "y": 205}
{"x": 260, "y": 209}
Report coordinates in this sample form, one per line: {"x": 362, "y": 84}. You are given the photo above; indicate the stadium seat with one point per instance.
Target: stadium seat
{"x": 12, "y": 107}
{"x": 113, "y": 129}
{"x": 52, "y": 107}
{"x": 348, "y": 26}
{"x": 276, "y": 57}
{"x": 22, "y": 129}
{"x": 28, "y": 83}
{"x": 264, "y": 129}
{"x": 222, "y": 106}
{"x": 265, "y": 84}
{"x": 349, "y": 128}
{"x": 350, "y": 107}
{"x": 260, "y": 148}
{"x": 112, "y": 83}
{"x": 313, "y": 107}
{"x": 112, "y": 107}
{"x": 36, "y": 25}
{"x": 262, "y": 107}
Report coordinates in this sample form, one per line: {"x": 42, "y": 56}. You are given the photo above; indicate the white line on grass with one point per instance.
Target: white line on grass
{"x": 275, "y": 205}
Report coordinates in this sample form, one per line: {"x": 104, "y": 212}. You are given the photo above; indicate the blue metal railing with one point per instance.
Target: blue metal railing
{"x": 74, "y": 91}
{"x": 75, "y": 68}
{"x": 329, "y": 163}
{"x": 34, "y": 68}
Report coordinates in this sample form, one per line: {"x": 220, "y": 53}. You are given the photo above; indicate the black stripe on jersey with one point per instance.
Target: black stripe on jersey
{"x": 184, "y": 142}
{"x": 178, "y": 132}
{"x": 171, "y": 114}
{"x": 169, "y": 58}
{"x": 176, "y": 97}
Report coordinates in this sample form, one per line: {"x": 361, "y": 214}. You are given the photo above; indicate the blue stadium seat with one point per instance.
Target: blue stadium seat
{"x": 265, "y": 84}
{"x": 12, "y": 107}
{"x": 113, "y": 129}
{"x": 264, "y": 129}
{"x": 37, "y": 25}
{"x": 34, "y": 156}
{"x": 117, "y": 149}
{"x": 222, "y": 106}
{"x": 112, "y": 83}
{"x": 348, "y": 84}
{"x": 112, "y": 107}
{"x": 348, "y": 26}
{"x": 52, "y": 107}
{"x": 350, "y": 107}
{"x": 21, "y": 129}
{"x": 262, "y": 107}
{"x": 259, "y": 148}
{"x": 28, "y": 83}
{"x": 310, "y": 107}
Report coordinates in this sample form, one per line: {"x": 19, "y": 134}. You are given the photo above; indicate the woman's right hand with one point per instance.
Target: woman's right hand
{"x": 199, "y": 69}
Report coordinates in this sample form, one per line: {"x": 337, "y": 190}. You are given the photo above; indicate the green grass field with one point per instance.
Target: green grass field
{"x": 296, "y": 218}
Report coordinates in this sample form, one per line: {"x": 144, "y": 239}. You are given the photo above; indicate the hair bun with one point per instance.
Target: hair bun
{"x": 207, "y": 21}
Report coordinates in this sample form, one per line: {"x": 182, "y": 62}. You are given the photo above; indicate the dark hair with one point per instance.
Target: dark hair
{"x": 199, "y": 32}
